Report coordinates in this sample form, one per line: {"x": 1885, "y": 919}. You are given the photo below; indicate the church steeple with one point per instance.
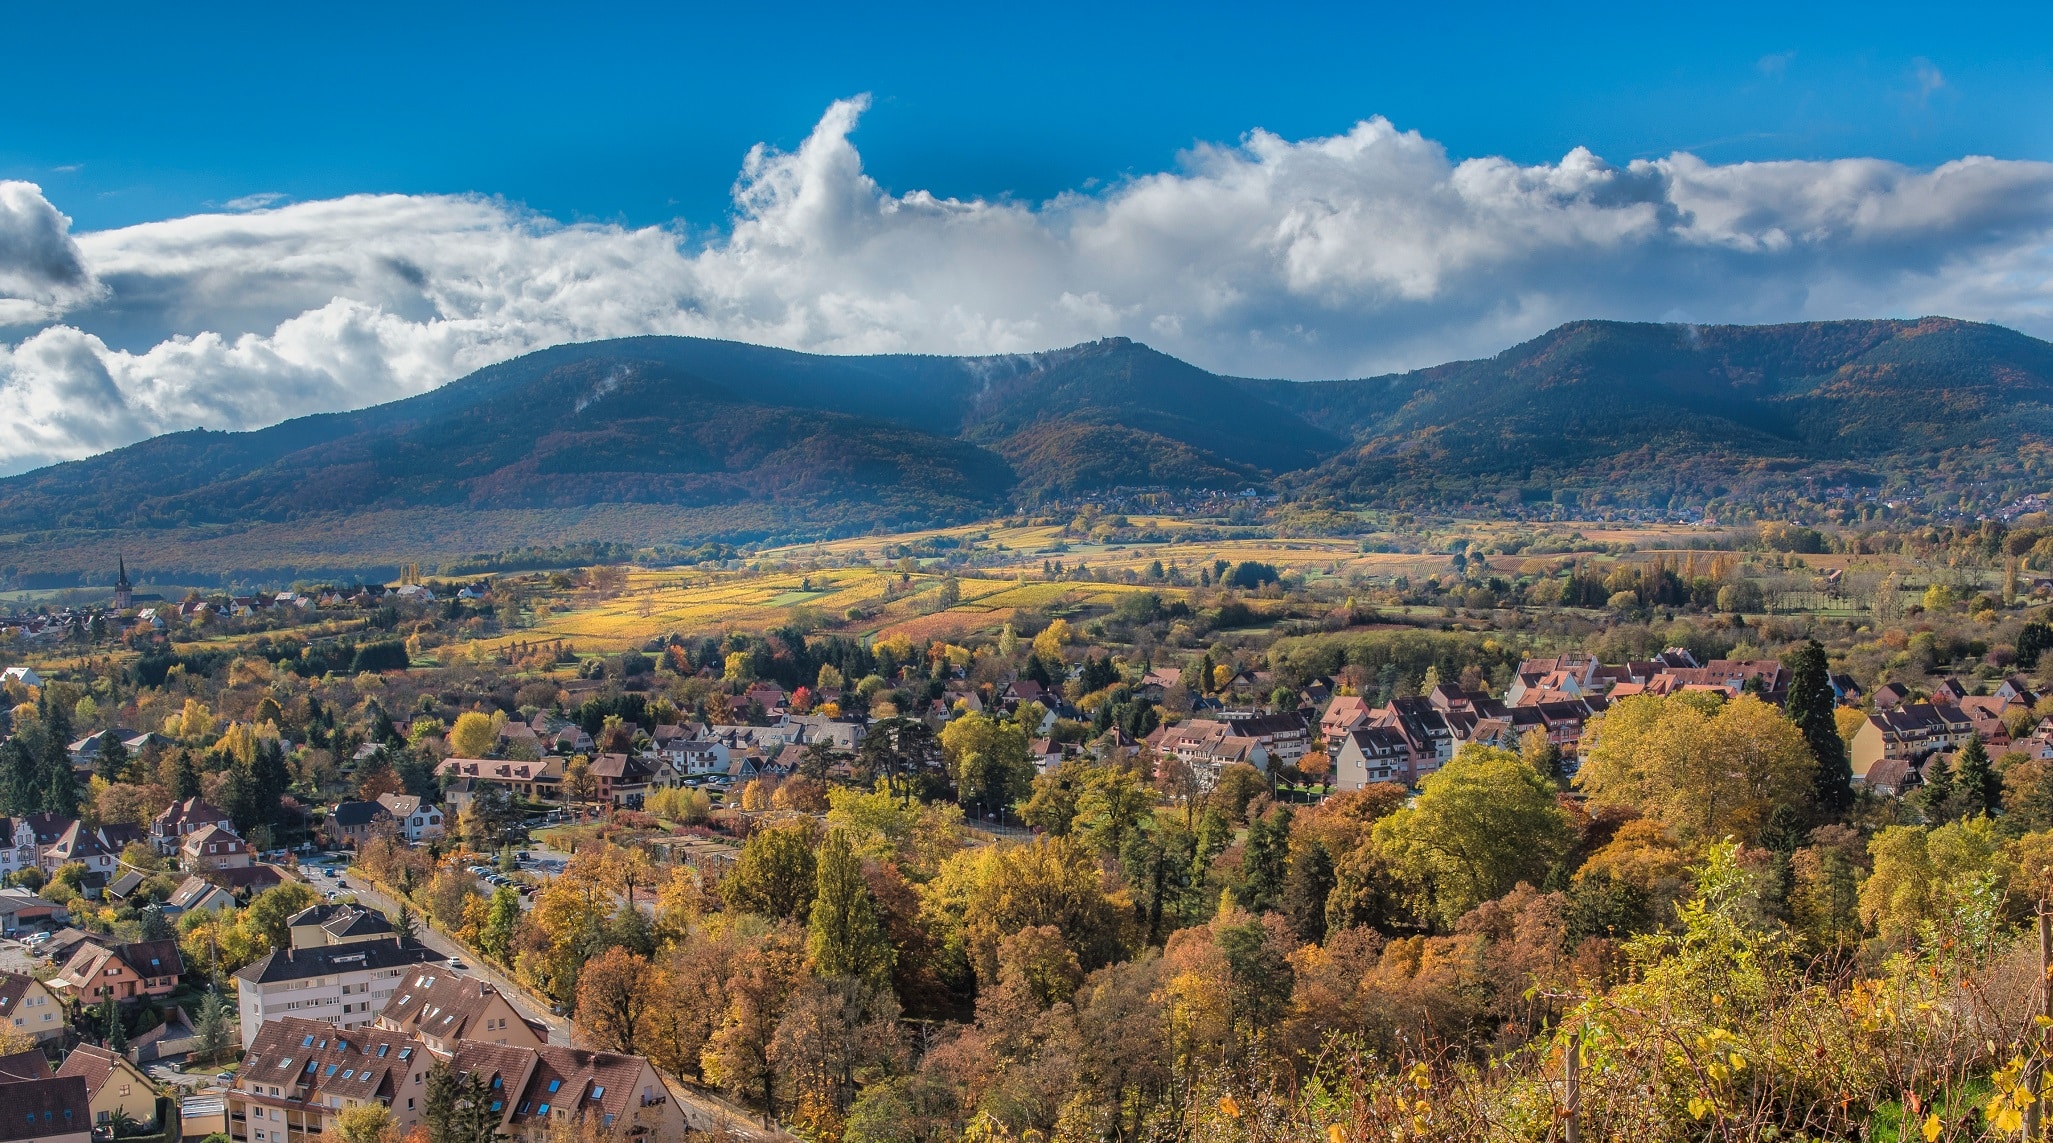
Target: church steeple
{"x": 124, "y": 593}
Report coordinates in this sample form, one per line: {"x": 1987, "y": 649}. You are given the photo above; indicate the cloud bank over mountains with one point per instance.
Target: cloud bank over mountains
{"x": 1342, "y": 256}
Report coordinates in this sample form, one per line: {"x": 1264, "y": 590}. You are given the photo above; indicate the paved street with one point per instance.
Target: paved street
{"x": 702, "y": 1110}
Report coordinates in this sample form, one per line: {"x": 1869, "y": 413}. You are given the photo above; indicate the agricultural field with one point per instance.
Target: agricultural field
{"x": 854, "y": 601}
{"x": 882, "y": 585}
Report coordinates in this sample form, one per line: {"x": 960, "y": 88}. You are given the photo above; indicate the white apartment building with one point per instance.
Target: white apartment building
{"x": 344, "y": 964}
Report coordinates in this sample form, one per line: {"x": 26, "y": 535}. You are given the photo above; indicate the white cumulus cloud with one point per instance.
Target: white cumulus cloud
{"x": 1338, "y": 256}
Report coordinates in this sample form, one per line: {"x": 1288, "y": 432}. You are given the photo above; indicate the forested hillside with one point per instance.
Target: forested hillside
{"x": 715, "y": 441}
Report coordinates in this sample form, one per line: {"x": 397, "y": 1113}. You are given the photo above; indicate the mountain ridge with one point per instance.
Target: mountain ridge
{"x": 706, "y": 439}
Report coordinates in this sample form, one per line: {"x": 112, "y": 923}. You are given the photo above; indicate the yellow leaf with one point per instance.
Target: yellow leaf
{"x": 1227, "y": 1105}
{"x": 1335, "y": 1134}
{"x": 1933, "y": 1127}
{"x": 1698, "y": 1108}
{"x": 2008, "y": 1119}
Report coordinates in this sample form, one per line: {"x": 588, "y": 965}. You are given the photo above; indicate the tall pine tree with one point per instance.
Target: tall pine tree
{"x": 1979, "y": 789}
{"x": 113, "y": 761}
{"x": 1811, "y": 705}
{"x": 1265, "y": 861}
{"x": 185, "y": 776}
{"x": 1305, "y": 889}
{"x": 1935, "y": 794}
{"x": 18, "y": 774}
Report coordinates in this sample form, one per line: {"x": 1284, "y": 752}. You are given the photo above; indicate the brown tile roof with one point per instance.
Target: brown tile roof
{"x": 44, "y": 1107}
{"x": 28, "y": 1065}
{"x": 436, "y": 1002}
{"x": 153, "y": 958}
{"x": 313, "y": 1059}
{"x": 13, "y": 986}
{"x": 256, "y": 877}
{"x": 92, "y": 1064}
{"x": 582, "y": 1080}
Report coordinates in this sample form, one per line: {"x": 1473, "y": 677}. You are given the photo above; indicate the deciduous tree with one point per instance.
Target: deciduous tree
{"x": 1481, "y": 824}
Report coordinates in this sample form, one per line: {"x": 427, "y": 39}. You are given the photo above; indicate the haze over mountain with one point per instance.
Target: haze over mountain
{"x": 681, "y": 440}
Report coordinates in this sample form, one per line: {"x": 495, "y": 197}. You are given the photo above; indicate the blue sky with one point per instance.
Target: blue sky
{"x": 225, "y": 216}
{"x": 641, "y": 114}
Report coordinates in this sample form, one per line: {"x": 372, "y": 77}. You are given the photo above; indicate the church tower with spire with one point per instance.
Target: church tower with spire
{"x": 124, "y": 593}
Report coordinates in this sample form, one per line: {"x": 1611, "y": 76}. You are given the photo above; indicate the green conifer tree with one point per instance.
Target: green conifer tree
{"x": 1977, "y": 785}
{"x": 1306, "y": 887}
{"x": 1811, "y": 705}
{"x": 1264, "y": 862}
{"x": 1935, "y": 794}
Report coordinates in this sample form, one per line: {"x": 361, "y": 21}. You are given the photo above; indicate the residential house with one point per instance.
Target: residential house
{"x": 26, "y": 676}
{"x": 1891, "y": 695}
{"x": 342, "y": 984}
{"x": 196, "y": 892}
{"x": 124, "y": 972}
{"x": 317, "y": 926}
{"x": 540, "y": 780}
{"x": 115, "y": 1088}
{"x": 117, "y": 836}
{"x": 441, "y": 1008}
{"x": 211, "y": 847}
{"x": 81, "y": 844}
{"x": 417, "y": 821}
{"x": 28, "y": 1006}
{"x": 1427, "y": 734}
{"x": 1208, "y": 747}
{"x": 1909, "y": 732}
{"x": 247, "y": 880}
{"x": 85, "y": 753}
{"x": 623, "y": 779}
{"x": 1343, "y": 714}
{"x": 536, "y": 1091}
{"x": 169, "y": 829}
{"x": 299, "y": 1075}
{"x": 2017, "y": 688}
{"x": 1286, "y": 737}
{"x": 1369, "y": 754}
{"x": 53, "y": 1109}
{"x": 352, "y": 823}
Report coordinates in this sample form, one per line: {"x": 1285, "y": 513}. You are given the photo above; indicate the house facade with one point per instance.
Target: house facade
{"x": 416, "y": 820}
{"x": 28, "y": 1006}
{"x": 96, "y": 972}
{"x": 115, "y": 1088}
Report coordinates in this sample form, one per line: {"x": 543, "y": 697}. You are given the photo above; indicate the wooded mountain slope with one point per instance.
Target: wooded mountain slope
{"x": 1657, "y": 411}
{"x": 744, "y": 442}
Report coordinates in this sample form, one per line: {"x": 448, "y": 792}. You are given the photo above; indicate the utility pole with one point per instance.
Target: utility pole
{"x": 1571, "y": 1086}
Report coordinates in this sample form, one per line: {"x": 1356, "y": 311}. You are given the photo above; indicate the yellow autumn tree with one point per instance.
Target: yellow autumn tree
{"x": 1049, "y": 643}
{"x": 193, "y": 721}
{"x": 1703, "y": 768}
{"x": 473, "y": 736}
